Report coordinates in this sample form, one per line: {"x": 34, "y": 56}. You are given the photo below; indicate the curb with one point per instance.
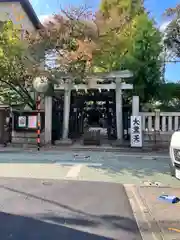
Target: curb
{"x": 81, "y": 149}
{"x": 161, "y": 231}
{"x": 148, "y": 226}
{"x": 92, "y": 148}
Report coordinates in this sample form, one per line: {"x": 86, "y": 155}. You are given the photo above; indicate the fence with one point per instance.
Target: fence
{"x": 163, "y": 122}
{"x": 158, "y": 128}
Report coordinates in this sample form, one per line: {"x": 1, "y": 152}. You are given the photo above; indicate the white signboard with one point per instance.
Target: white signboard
{"x": 136, "y": 131}
{"x": 22, "y": 121}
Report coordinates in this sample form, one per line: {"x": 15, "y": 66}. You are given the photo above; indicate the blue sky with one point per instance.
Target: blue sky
{"x": 156, "y": 8}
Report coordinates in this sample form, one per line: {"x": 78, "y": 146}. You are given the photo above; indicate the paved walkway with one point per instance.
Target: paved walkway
{"x": 39, "y": 171}
{"x": 162, "y": 215}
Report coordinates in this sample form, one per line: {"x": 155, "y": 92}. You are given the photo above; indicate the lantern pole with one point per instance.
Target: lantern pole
{"x": 38, "y": 106}
{"x": 41, "y": 86}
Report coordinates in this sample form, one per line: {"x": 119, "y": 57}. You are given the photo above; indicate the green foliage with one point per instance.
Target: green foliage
{"x": 114, "y": 21}
{"x": 120, "y": 37}
{"x": 133, "y": 43}
{"x": 169, "y": 96}
{"x": 16, "y": 68}
{"x": 128, "y": 7}
{"x": 143, "y": 58}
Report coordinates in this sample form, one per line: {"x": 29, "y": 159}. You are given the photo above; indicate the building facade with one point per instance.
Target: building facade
{"x": 21, "y": 13}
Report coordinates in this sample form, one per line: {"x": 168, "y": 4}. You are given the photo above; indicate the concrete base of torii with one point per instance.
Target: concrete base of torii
{"x": 66, "y": 141}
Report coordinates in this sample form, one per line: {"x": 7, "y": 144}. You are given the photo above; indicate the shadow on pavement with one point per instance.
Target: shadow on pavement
{"x": 17, "y": 227}
{"x": 136, "y": 167}
{"x": 82, "y": 218}
{"x": 113, "y": 222}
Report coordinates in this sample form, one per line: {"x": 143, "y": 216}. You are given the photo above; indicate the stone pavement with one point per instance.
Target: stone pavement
{"x": 160, "y": 214}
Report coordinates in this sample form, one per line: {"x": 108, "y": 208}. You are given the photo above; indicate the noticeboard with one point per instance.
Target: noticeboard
{"x": 27, "y": 121}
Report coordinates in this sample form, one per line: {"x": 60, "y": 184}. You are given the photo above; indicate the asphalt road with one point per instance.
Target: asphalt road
{"x": 43, "y": 210}
{"x": 125, "y": 168}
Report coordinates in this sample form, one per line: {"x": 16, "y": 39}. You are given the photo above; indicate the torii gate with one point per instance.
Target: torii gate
{"x": 92, "y": 80}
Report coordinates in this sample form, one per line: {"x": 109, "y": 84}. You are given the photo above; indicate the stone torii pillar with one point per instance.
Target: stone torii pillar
{"x": 48, "y": 119}
{"x": 119, "y": 111}
{"x": 119, "y": 75}
{"x": 67, "y": 103}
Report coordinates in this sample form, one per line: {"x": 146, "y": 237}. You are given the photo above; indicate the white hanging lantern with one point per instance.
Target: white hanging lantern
{"x": 41, "y": 84}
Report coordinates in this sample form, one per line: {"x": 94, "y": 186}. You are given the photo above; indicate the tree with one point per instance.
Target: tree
{"x": 169, "y": 96}
{"x": 67, "y": 38}
{"x": 143, "y": 58}
{"x": 113, "y": 21}
{"x": 131, "y": 41}
{"x": 17, "y": 67}
{"x": 111, "y": 40}
{"x": 172, "y": 36}
{"x": 130, "y": 7}
{"x": 23, "y": 59}
{"x": 82, "y": 43}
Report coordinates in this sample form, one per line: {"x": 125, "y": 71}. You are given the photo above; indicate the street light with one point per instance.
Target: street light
{"x": 41, "y": 85}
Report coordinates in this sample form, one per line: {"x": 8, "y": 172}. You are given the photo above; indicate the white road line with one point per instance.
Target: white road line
{"x": 74, "y": 171}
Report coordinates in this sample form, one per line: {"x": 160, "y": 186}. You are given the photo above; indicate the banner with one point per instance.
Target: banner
{"x": 136, "y": 131}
